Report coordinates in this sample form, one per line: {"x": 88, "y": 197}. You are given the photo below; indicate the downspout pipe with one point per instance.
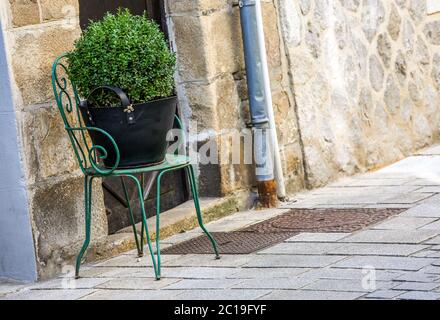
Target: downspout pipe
{"x": 269, "y": 173}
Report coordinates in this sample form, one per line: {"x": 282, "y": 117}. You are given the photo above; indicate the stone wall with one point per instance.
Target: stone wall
{"x": 366, "y": 79}
{"x": 212, "y": 86}
{"x": 36, "y": 32}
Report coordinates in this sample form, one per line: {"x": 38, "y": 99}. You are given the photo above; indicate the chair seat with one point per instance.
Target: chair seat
{"x": 171, "y": 161}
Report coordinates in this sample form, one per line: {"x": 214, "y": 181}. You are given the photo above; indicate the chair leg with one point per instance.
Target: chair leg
{"x": 139, "y": 245}
{"x": 88, "y": 182}
{"x": 195, "y": 193}
{"x": 158, "y": 181}
{"x": 144, "y": 220}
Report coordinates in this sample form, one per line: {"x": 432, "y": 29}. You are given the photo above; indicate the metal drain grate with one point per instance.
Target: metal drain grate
{"x": 276, "y": 230}
{"x": 238, "y": 242}
{"x": 324, "y": 220}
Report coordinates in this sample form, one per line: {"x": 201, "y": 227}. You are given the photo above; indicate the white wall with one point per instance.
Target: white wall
{"x": 17, "y": 254}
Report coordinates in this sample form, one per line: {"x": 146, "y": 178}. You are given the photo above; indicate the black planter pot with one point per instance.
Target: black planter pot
{"x": 140, "y": 134}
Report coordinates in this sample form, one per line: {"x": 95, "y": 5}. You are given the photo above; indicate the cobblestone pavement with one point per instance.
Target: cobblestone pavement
{"x": 395, "y": 259}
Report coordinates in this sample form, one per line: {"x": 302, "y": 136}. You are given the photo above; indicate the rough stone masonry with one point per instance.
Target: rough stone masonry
{"x": 355, "y": 86}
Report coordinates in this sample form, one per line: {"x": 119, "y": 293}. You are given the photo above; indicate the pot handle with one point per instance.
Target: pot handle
{"x": 128, "y": 107}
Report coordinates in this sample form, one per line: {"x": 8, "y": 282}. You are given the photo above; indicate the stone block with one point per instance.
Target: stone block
{"x": 394, "y": 23}
{"x": 24, "y": 12}
{"x": 59, "y": 9}
{"x": 197, "y": 6}
{"x": 208, "y": 45}
{"x": 57, "y": 211}
{"x": 46, "y": 144}
{"x": 33, "y": 53}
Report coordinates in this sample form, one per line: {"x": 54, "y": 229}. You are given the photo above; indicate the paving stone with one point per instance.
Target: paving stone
{"x": 406, "y": 198}
{"x": 436, "y": 254}
{"x": 98, "y": 272}
{"x": 419, "y": 295}
{"x": 380, "y": 174}
{"x": 295, "y": 261}
{"x": 433, "y": 240}
{"x": 127, "y": 261}
{"x": 362, "y": 190}
{"x": 351, "y": 200}
{"x": 432, "y": 226}
{"x": 378, "y": 182}
{"x": 350, "y": 274}
{"x": 435, "y": 199}
{"x": 318, "y": 237}
{"x": 417, "y": 286}
{"x": 347, "y": 285}
{"x": 312, "y": 248}
{"x": 434, "y": 150}
{"x": 404, "y": 223}
{"x": 385, "y": 294}
{"x": 226, "y": 261}
{"x": 423, "y": 254}
{"x": 275, "y": 283}
{"x": 384, "y": 263}
{"x": 129, "y": 272}
{"x": 431, "y": 270}
{"x": 311, "y": 295}
{"x": 421, "y": 182}
{"x": 192, "y": 284}
{"x": 423, "y": 210}
{"x": 136, "y": 284}
{"x": 10, "y": 287}
{"x": 132, "y": 295}
{"x": 173, "y": 272}
{"x": 392, "y": 236}
{"x": 378, "y": 249}
{"x": 234, "y": 294}
{"x": 197, "y": 272}
{"x": 390, "y": 206}
{"x": 258, "y": 215}
{"x": 258, "y": 273}
{"x": 341, "y": 206}
{"x": 181, "y": 237}
{"x": 227, "y": 225}
{"x": 429, "y": 189}
{"x": 50, "y": 294}
{"x": 425, "y": 167}
{"x": 70, "y": 283}
{"x": 302, "y": 204}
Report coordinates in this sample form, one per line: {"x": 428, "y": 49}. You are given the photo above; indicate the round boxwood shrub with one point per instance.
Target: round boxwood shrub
{"x": 125, "y": 51}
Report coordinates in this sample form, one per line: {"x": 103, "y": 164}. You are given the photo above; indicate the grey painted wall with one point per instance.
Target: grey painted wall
{"x": 17, "y": 254}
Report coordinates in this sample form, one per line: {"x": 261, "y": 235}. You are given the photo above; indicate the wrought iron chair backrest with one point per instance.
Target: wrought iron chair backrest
{"x": 68, "y": 102}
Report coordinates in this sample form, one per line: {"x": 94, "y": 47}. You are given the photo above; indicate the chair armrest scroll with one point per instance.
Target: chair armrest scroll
{"x": 93, "y": 151}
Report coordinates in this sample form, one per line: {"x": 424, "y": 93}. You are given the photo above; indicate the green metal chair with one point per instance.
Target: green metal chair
{"x": 89, "y": 156}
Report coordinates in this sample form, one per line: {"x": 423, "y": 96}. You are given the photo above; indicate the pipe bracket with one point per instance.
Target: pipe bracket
{"x": 246, "y": 3}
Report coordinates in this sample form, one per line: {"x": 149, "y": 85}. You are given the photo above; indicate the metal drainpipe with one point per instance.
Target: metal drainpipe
{"x": 270, "y": 176}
